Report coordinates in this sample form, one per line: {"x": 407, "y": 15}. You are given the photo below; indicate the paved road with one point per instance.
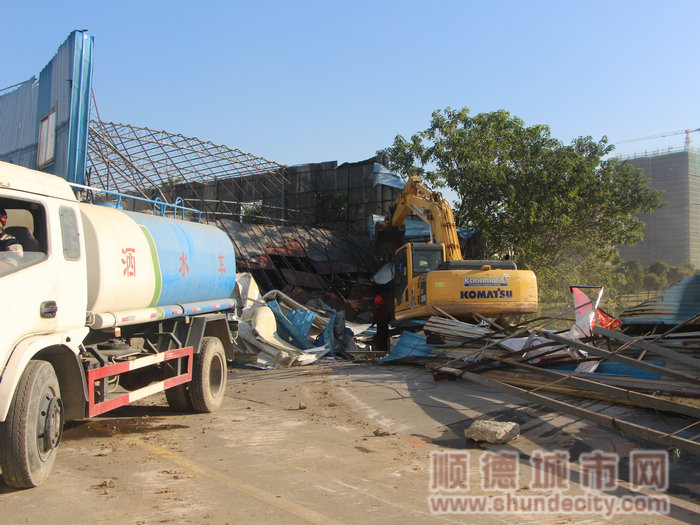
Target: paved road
{"x": 329, "y": 443}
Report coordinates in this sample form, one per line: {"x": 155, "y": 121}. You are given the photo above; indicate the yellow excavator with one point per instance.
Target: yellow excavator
{"x": 433, "y": 278}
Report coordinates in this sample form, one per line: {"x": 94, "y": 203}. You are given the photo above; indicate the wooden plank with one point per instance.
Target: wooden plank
{"x": 618, "y": 393}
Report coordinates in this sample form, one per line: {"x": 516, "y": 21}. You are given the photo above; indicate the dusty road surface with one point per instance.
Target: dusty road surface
{"x": 332, "y": 443}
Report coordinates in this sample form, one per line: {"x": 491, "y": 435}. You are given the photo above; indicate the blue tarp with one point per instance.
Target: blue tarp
{"x": 326, "y": 337}
{"x": 382, "y": 175}
{"x": 287, "y": 329}
{"x": 409, "y": 345}
{"x": 415, "y": 228}
{"x": 612, "y": 369}
{"x": 302, "y": 320}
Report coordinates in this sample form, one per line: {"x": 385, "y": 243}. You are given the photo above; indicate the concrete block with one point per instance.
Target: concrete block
{"x": 493, "y": 431}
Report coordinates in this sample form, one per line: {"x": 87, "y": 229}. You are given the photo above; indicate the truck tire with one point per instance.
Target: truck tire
{"x": 33, "y": 428}
{"x": 179, "y": 398}
{"x": 209, "y": 374}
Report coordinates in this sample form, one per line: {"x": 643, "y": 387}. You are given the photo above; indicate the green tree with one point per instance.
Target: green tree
{"x": 661, "y": 270}
{"x": 560, "y": 209}
{"x": 651, "y": 282}
{"x": 633, "y": 273}
{"x": 252, "y": 213}
{"x": 678, "y": 273}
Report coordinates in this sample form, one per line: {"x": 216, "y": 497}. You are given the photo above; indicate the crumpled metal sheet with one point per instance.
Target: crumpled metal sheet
{"x": 676, "y": 305}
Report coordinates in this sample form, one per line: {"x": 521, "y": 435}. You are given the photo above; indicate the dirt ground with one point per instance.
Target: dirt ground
{"x": 328, "y": 443}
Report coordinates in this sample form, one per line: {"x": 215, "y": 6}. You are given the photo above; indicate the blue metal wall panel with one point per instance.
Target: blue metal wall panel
{"x": 80, "y": 108}
{"x": 18, "y": 124}
{"x": 64, "y": 86}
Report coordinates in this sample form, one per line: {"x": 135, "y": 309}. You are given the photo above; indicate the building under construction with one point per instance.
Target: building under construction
{"x": 671, "y": 233}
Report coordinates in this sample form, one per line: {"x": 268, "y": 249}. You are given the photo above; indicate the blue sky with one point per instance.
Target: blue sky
{"x": 309, "y": 81}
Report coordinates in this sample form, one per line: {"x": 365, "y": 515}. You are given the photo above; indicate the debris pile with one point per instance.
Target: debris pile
{"x": 275, "y": 331}
{"x": 308, "y": 264}
{"x": 594, "y": 359}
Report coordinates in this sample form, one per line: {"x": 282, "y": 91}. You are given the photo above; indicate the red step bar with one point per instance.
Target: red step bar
{"x": 96, "y": 374}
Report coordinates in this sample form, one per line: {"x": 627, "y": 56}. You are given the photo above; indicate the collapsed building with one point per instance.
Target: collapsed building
{"x": 305, "y": 230}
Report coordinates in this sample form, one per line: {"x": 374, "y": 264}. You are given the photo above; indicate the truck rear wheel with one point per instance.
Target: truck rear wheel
{"x": 33, "y": 428}
{"x": 209, "y": 375}
{"x": 178, "y": 396}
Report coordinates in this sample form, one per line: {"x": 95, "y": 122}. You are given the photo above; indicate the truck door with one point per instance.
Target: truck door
{"x": 40, "y": 286}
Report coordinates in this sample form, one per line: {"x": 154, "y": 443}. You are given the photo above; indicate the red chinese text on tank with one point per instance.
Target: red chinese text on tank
{"x": 184, "y": 267}
{"x": 129, "y": 261}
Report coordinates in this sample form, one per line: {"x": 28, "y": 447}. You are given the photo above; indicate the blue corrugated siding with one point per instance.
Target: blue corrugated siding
{"x": 19, "y": 123}
{"x": 676, "y": 305}
{"x": 64, "y": 85}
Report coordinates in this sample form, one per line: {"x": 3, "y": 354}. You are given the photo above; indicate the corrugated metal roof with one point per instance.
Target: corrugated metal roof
{"x": 288, "y": 249}
{"x": 676, "y": 305}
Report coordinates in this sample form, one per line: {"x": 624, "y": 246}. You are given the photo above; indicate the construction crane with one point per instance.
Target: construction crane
{"x": 667, "y": 134}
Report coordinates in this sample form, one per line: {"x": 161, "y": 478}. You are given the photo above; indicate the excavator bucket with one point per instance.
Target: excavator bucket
{"x": 387, "y": 239}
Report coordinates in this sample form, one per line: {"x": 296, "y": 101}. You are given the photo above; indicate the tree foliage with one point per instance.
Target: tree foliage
{"x": 561, "y": 210}
{"x": 331, "y": 208}
{"x": 252, "y": 213}
{"x": 657, "y": 276}
{"x": 633, "y": 273}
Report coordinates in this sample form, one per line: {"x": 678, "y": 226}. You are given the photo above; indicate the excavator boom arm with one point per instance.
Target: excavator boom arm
{"x": 434, "y": 210}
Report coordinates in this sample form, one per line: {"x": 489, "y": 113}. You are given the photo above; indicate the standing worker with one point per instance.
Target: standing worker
{"x": 382, "y": 317}
{"x": 8, "y": 243}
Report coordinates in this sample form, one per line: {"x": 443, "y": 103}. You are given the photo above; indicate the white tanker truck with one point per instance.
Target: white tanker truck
{"x": 102, "y": 308}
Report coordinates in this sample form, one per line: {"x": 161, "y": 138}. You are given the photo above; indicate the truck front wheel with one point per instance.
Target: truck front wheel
{"x": 209, "y": 374}
{"x": 32, "y": 431}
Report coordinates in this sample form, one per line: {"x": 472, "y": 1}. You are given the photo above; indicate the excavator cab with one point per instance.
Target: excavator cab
{"x": 412, "y": 262}
{"x": 427, "y": 257}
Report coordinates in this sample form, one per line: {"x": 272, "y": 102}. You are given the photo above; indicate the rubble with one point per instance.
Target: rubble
{"x": 594, "y": 359}
{"x": 275, "y": 331}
